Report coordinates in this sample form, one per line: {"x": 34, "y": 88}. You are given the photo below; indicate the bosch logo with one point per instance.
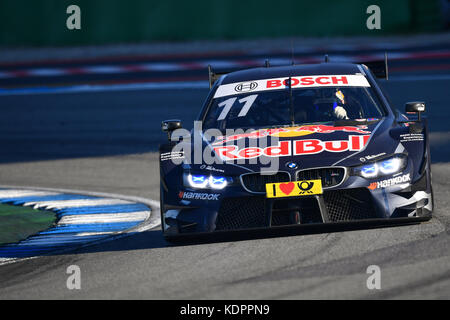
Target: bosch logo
{"x": 246, "y": 86}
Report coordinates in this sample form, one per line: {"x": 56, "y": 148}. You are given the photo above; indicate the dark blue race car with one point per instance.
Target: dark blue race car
{"x": 296, "y": 145}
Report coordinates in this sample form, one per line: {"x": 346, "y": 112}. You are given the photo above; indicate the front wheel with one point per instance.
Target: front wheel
{"x": 161, "y": 207}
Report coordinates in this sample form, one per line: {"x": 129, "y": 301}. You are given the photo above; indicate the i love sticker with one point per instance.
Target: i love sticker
{"x": 294, "y": 189}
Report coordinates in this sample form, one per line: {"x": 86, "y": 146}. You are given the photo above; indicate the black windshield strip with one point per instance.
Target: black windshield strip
{"x": 291, "y": 102}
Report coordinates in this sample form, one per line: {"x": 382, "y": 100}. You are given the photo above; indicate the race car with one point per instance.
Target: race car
{"x": 293, "y": 146}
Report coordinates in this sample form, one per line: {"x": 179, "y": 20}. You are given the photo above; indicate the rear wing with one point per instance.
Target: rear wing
{"x": 379, "y": 68}
{"x": 214, "y": 76}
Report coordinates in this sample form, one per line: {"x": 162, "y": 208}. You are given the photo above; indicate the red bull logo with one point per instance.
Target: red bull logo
{"x": 293, "y": 148}
{"x": 330, "y": 129}
{"x": 291, "y": 132}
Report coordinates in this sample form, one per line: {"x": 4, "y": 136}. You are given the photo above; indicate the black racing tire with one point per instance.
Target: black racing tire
{"x": 432, "y": 200}
{"x": 432, "y": 192}
{"x": 161, "y": 205}
{"x": 429, "y": 214}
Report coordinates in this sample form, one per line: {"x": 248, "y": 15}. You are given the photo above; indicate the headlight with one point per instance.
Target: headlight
{"x": 197, "y": 181}
{"x": 369, "y": 170}
{"x": 200, "y": 181}
{"x": 382, "y": 167}
{"x": 217, "y": 182}
{"x": 391, "y": 165}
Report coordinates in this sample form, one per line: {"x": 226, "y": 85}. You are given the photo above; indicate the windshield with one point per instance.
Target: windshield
{"x": 290, "y": 106}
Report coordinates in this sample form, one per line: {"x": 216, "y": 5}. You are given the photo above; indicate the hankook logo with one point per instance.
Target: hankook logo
{"x": 246, "y": 86}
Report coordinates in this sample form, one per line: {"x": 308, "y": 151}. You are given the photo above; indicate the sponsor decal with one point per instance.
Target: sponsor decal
{"x": 291, "y": 132}
{"x": 409, "y": 137}
{"x": 365, "y": 158}
{"x": 293, "y": 148}
{"x": 172, "y": 155}
{"x": 350, "y": 80}
{"x": 211, "y": 168}
{"x": 246, "y": 86}
{"x": 294, "y": 188}
{"x": 390, "y": 182}
{"x": 198, "y": 196}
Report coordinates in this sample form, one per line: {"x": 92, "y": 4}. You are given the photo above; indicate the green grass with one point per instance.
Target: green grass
{"x": 18, "y": 223}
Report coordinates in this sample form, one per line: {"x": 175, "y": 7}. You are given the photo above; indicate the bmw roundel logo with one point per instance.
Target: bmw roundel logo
{"x": 291, "y": 165}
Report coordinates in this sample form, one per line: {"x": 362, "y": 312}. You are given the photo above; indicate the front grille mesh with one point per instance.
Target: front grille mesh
{"x": 281, "y": 219}
{"x": 250, "y": 212}
{"x": 349, "y": 204}
{"x": 330, "y": 176}
{"x": 284, "y": 211}
{"x": 241, "y": 213}
{"x": 256, "y": 182}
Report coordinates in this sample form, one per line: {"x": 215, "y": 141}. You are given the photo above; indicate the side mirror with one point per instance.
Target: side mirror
{"x": 415, "y": 107}
{"x": 170, "y": 125}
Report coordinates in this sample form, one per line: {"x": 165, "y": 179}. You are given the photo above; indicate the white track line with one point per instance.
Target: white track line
{"x": 105, "y": 218}
{"x": 202, "y": 63}
{"x": 169, "y": 85}
{"x": 62, "y": 204}
{"x": 6, "y": 194}
{"x": 87, "y": 234}
{"x": 149, "y": 202}
{"x": 424, "y": 77}
{"x": 113, "y": 87}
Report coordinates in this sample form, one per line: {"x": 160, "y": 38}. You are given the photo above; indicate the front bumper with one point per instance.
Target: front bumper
{"x": 354, "y": 201}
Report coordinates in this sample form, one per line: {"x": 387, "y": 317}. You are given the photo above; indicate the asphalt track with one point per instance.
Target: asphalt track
{"x": 106, "y": 142}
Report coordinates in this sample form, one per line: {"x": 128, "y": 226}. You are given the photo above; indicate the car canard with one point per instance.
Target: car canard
{"x": 294, "y": 188}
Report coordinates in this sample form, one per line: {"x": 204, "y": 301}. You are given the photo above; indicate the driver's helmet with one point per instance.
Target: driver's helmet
{"x": 327, "y": 99}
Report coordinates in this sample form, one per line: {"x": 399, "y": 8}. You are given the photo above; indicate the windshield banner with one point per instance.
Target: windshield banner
{"x": 351, "y": 80}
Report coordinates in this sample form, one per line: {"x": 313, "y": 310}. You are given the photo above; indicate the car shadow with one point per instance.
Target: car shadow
{"x": 153, "y": 239}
